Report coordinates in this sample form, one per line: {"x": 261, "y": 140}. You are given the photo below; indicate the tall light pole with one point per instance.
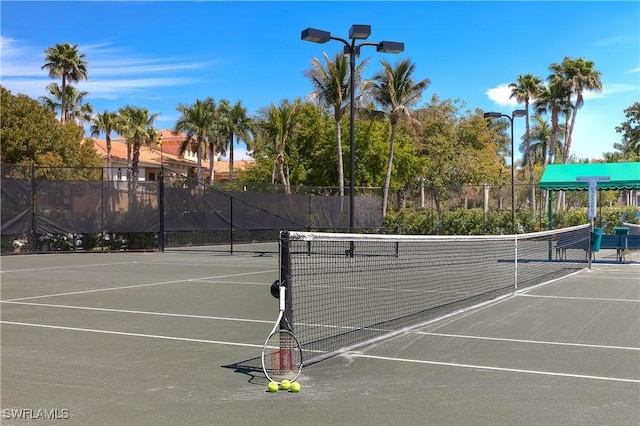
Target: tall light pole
{"x": 356, "y": 32}
{"x": 516, "y": 113}
{"x": 161, "y": 195}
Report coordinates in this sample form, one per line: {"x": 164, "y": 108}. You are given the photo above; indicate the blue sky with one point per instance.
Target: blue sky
{"x": 157, "y": 54}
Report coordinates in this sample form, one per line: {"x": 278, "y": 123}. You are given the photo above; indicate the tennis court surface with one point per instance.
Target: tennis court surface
{"x": 175, "y": 339}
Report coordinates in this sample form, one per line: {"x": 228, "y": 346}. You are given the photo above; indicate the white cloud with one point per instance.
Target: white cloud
{"x": 113, "y": 72}
{"x": 611, "y": 41}
{"x": 609, "y": 90}
{"x": 113, "y": 89}
{"x": 500, "y": 95}
{"x": 19, "y": 60}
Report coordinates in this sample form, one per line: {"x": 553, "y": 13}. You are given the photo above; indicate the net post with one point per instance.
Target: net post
{"x": 285, "y": 280}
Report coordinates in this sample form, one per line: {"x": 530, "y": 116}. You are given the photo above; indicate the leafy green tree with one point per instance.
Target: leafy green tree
{"x": 458, "y": 148}
{"x": 395, "y": 89}
{"x": 64, "y": 60}
{"x": 30, "y": 134}
{"x": 527, "y": 88}
{"x": 198, "y": 122}
{"x": 630, "y": 129}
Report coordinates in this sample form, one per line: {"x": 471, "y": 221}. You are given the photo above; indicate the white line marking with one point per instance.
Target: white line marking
{"x": 358, "y": 355}
{"x": 68, "y": 267}
{"x": 539, "y": 342}
{"x": 121, "y": 333}
{"x": 137, "y": 286}
{"x": 484, "y": 367}
{"x": 579, "y": 298}
{"x": 126, "y": 311}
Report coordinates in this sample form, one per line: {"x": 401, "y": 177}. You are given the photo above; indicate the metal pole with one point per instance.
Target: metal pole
{"x": 161, "y": 208}
{"x": 352, "y": 149}
{"x": 513, "y": 191}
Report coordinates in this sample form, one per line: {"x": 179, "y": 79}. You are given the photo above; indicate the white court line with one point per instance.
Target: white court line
{"x": 122, "y": 333}
{"x": 69, "y": 267}
{"x": 138, "y": 286}
{"x": 357, "y": 355}
{"x": 539, "y": 342}
{"x": 485, "y": 367}
{"x": 602, "y": 299}
{"x": 127, "y": 311}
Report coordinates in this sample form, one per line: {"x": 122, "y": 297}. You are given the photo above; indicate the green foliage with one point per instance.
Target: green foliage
{"x": 30, "y": 134}
{"x": 457, "y": 148}
{"x": 476, "y": 222}
{"x": 629, "y": 147}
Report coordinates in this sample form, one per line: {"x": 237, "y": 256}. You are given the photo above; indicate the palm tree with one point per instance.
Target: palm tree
{"x": 331, "y": 88}
{"x": 577, "y": 76}
{"x": 197, "y": 122}
{"x": 64, "y": 60}
{"x": 526, "y": 89}
{"x": 237, "y": 125}
{"x": 395, "y": 89}
{"x": 76, "y": 109}
{"x": 542, "y": 147}
{"x": 553, "y": 99}
{"x": 278, "y": 125}
{"x": 105, "y": 122}
{"x": 136, "y": 125}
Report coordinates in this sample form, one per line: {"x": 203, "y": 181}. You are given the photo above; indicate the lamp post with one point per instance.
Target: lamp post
{"x": 516, "y": 113}
{"x": 161, "y": 196}
{"x": 356, "y": 32}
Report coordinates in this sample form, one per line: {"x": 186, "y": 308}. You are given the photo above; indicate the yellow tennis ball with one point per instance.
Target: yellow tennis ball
{"x": 272, "y": 387}
{"x": 295, "y": 387}
{"x": 285, "y": 384}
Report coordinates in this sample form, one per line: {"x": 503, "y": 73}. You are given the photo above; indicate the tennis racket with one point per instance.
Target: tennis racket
{"x": 281, "y": 353}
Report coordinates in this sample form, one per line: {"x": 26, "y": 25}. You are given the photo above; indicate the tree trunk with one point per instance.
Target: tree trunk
{"x": 532, "y": 188}
{"x": 387, "y": 179}
{"x": 63, "y": 113}
{"x": 231, "y": 158}
{"x": 340, "y": 162}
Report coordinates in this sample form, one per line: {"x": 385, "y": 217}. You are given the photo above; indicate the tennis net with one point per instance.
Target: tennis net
{"x": 349, "y": 290}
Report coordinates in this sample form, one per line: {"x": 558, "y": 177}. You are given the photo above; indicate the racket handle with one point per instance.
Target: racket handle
{"x": 282, "y": 289}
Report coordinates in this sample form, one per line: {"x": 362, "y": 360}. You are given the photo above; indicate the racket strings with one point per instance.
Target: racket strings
{"x": 282, "y": 356}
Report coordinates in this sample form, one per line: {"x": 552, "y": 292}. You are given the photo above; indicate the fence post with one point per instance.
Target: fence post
{"x": 230, "y": 224}
{"x": 34, "y": 237}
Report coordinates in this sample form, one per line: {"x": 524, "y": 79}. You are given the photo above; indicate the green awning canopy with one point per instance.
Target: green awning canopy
{"x": 564, "y": 177}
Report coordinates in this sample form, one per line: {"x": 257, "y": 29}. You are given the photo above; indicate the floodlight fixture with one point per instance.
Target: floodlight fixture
{"x": 359, "y": 32}
{"x": 315, "y": 36}
{"x": 390, "y": 47}
{"x": 352, "y": 51}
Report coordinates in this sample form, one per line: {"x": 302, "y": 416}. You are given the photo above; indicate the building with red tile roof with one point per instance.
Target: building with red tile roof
{"x": 165, "y": 154}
